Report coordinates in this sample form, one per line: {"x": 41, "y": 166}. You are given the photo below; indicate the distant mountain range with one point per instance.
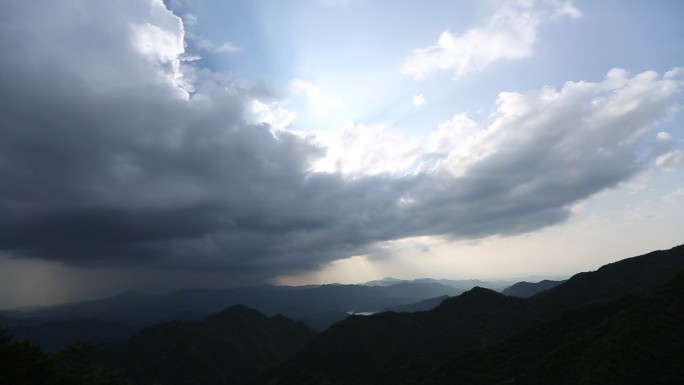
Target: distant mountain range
{"x": 319, "y": 306}
{"x": 621, "y": 324}
{"x": 114, "y": 319}
{"x": 137, "y": 308}
{"x": 461, "y": 284}
{"x": 585, "y": 327}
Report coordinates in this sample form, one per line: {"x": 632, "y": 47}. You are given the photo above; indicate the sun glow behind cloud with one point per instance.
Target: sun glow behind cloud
{"x": 584, "y": 120}
{"x": 173, "y": 168}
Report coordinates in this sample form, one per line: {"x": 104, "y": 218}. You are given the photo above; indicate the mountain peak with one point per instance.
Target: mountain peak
{"x": 235, "y": 311}
{"x": 480, "y": 292}
{"x": 229, "y": 347}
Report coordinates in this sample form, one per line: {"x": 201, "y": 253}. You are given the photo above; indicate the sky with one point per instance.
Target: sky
{"x": 153, "y": 146}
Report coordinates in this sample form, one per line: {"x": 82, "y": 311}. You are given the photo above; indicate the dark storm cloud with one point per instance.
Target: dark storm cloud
{"x": 104, "y": 162}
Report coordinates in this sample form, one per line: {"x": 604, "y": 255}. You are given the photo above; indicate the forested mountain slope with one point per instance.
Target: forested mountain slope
{"x": 226, "y": 348}
{"x": 405, "y": 348}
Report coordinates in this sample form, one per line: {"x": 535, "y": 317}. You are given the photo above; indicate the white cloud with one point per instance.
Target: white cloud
{"x": 670, "y": 160}
{"x": 162, "y": 43}
{"x": 205, "y": 44}
{"x": 511, "y": 33}
{"x": 575, "y": 131}
{"x": 565, "y": 8}
{"x": 189, "y": 20}
{"x": 418, "y": 100}
{"x": 675, "y": 196}
{"x": 454, "y": 136}
{"x": 271, "y": 113}
{"x": 598, "y": 122}
{"x": 664, "y": 136}
{"x": 227, "y": 47}
{"x": 318, "y": 100}
{"x": 359, "y": 149}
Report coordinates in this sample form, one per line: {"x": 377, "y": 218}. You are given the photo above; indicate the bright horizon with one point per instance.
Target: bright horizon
{"x": 153, "y": 146}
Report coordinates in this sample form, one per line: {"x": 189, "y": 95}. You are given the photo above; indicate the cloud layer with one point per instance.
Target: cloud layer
{"x": 511, "y": 33}
{"x": 113, "y": 151}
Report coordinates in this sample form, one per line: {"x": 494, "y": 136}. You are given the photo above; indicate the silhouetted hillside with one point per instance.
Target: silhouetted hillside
{"x": 22, "y": 363}
{"x": 120, "y": 316}
{"x": 528, "y": 289}
{"x": 628, "y": 276}
{"x": 225, "y": 348}
{"x": 424, "y": 305}
{"x": 619, "y": 324}
{"x": 632, "y": 340}
{"x": 322, "y": 321}
{"x": 403, "y": 348}
{"x": 396, "y": 348}
{"x": 55, "y": 335}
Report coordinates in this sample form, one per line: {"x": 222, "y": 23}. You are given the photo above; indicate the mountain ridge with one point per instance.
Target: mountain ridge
{"x": 403, "y": 347}
{"x": 224, "y": 348}
{"x": 634, "y": 339}
{"x": 605, "y": 325}
{"x": 290, "y": 301}
{"x": 526, "y": 289}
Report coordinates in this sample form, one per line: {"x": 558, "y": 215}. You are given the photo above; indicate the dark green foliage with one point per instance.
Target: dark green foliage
{"x": 76, "y": 364}
{"x": 51, "y": 336}
{"x": 502, "y": 360}
{"x": 632, "y": 340}
{"x": 642, "y": 344}
{"x": 396, "y": 348}
{"x": 226, "y": 348}
{"x": 583, "y": 331}
{"x": 322, "y": 321}
{"x": 22, "y": 363}
{"x": 622, "y": 324}
{"x": 628, "y": 276}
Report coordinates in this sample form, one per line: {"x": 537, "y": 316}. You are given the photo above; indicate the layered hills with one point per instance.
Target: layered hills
{"x": 114, "y": 319}
{"x": 291, "y": 301}
{"x": 621, "y": 324}
{"x": 630, "y": 340}
{"x": 229, "y": 347}
{"x": 486, "y": 331}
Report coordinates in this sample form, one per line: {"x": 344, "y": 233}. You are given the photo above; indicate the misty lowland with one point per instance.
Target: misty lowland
{"x": 620, "y": 324}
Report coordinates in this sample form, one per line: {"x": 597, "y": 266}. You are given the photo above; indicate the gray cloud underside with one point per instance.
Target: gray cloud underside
{"x": 101, "y": 163}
